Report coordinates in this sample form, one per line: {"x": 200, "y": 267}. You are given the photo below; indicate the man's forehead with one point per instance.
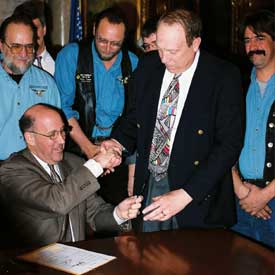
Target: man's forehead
{"x": 249, "y": 30}
{"x": 105, "y": 24}
{"x": 18, "y": 28}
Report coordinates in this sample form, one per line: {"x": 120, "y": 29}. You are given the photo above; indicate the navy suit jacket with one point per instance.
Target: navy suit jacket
{"x": 207, "y": 142}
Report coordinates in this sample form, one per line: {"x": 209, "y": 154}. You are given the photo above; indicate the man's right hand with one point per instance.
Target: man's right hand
{"x": 112, "y": 144}
{"x": 108, "y": 159}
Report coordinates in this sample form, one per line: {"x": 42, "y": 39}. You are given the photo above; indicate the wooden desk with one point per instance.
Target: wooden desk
{"x": 184, "y": 252}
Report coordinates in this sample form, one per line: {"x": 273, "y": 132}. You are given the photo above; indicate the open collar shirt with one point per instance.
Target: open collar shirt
{"x": 36, "y": 86}
{"x": 252, "y": 158}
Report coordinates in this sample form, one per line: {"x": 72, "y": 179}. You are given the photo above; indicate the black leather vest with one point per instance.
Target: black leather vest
{"x": 85, "y": 99}
{"x": 269, "y": 169}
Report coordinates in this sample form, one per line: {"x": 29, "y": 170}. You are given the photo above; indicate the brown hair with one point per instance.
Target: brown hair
{"x": 190, "y": 22}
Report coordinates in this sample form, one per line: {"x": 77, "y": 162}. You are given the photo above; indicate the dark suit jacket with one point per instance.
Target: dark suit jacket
{"x": 36, "y": 208}
{"x": 207, "y": 142}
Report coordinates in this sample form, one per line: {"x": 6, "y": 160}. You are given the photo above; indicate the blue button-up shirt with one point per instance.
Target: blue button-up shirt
{"x": 252, "y": 157}
{"x": 109, "y": 89}
{"x": 36, "y": 86}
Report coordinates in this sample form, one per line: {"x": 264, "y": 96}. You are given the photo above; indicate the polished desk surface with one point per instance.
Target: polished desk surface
{"x": 185, "y": 252}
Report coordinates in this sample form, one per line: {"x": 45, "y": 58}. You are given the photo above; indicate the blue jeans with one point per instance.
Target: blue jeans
{"x": 255, "y": 228}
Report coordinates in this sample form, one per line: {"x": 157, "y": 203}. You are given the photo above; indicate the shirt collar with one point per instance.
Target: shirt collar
{"x": 254, "y": 78}
{"x": 44, "y": 164}
{"x": 44, "y": 54}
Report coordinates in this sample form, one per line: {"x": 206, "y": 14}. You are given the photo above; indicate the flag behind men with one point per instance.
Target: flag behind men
{"x": 75, "y": 22}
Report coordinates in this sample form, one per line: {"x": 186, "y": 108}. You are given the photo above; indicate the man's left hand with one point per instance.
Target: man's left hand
{"x": 255, "y": 201}
{"x": 166, "y": 206}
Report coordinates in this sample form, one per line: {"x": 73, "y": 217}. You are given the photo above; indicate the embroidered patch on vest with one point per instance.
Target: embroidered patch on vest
{"x": 84, "y": 77}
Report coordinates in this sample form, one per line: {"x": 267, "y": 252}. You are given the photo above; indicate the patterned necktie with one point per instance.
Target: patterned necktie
{"x": 39, "y": 63}
{"x": 160, "y": 148}
{"x": 54, "y": 175}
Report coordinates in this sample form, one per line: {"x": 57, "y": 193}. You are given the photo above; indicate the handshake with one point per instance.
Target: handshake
{"x": 108, "y": 155}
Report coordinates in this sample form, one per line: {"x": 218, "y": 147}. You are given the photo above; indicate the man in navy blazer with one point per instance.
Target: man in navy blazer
{"x": 205, "y": 140}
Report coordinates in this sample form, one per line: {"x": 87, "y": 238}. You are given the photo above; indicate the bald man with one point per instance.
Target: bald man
{"x": 49, "y": 195}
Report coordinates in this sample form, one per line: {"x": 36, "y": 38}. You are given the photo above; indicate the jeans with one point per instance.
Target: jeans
{"x": 256, "y": 228}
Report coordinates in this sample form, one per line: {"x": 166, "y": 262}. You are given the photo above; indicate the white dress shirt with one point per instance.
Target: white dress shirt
{"x": 47, "y": 62}
{"x": 184, "y": 84}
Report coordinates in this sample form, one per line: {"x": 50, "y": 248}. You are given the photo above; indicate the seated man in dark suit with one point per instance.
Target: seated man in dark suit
{"x": 48, "y": 195}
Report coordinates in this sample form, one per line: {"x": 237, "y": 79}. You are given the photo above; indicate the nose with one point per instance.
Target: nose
{"x": 61, "y": 138}
{"x": 108, "y": 47}
{"x": 23, "y": 51}
{"x": 163, "y": 56}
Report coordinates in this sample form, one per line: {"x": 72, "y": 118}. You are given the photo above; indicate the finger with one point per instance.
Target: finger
{"x": 110, "y": 170}
{"x": 266, "y": 212}
{"x": 156, "y": 198}
{"x": 263, "y": 215}
{"x": 153, "y": 215}
{"x": 268, "y": 209}
{"x": 150, "y": 208}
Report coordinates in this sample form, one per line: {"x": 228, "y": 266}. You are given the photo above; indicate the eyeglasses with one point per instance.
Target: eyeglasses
{"x": 17, "y": 48}
{"x": 55, "y": 134}
{"x": 150, "y": 46}
{"x": 105, "y": 42}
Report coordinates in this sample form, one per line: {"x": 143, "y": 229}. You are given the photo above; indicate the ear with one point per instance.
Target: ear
{"x": 196, "y": 44}
{"x": 44, "y": 30}
{"x": 94, "y": 30}
{"x": 1, "y": 46}
{"x": 29, "y": 137}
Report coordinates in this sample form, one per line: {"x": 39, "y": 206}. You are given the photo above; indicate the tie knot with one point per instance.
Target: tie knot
{"x": 39, "y": 61}
{"x": 176, "y": 76}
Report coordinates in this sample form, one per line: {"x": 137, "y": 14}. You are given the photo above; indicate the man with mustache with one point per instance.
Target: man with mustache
{"x": 21, "y": 83}
{"x": 48, "y": 195}
{"x": 92, "y": 77}
{"x": 254, "y": 176}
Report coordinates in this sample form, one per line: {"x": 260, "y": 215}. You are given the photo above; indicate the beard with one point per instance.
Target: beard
{"x": 106, "y": 57}
{"x": 17, "y": 69}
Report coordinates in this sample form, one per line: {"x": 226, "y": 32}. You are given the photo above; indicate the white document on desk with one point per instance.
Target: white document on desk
{"x": 67, "y": 258}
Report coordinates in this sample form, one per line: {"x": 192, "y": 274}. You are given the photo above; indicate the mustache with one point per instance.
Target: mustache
{"x": 258, "y": 52}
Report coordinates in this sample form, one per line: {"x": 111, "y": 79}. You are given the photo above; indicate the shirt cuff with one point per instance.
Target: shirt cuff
{"x": 117, "y": 218}
{"x": 94, "y": 167}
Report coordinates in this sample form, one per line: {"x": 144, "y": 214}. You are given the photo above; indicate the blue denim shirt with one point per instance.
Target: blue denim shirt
{"x": 36, "y": 86}
{"x": 252, "y": 156}
{"x": 109, "y": 89}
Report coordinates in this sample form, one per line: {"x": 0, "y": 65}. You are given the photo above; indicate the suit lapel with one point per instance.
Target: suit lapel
{"x": 64, "y": 168}
{"x": 152, "y": 99}
{"x": 29, "y": 156}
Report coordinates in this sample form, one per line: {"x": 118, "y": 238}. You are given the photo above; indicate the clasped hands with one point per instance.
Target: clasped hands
{"x": 108, "y": 156}
{"x": 253, "y": 202}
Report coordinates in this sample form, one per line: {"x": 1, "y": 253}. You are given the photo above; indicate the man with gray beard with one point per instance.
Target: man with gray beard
{"x": 21, "y": 83}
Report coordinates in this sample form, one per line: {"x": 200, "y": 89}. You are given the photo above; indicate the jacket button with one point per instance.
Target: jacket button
{"x": 270, "y": 144}
{"x": 269, "y": 164}
{"x": 271, "y": 125}
{"x": 138, "y": 125}
{"x": 137, "y": 155}
{"x": 196, "y": 162}
{"x": 267, "y": 182}
{"x": 200, "y": 132}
